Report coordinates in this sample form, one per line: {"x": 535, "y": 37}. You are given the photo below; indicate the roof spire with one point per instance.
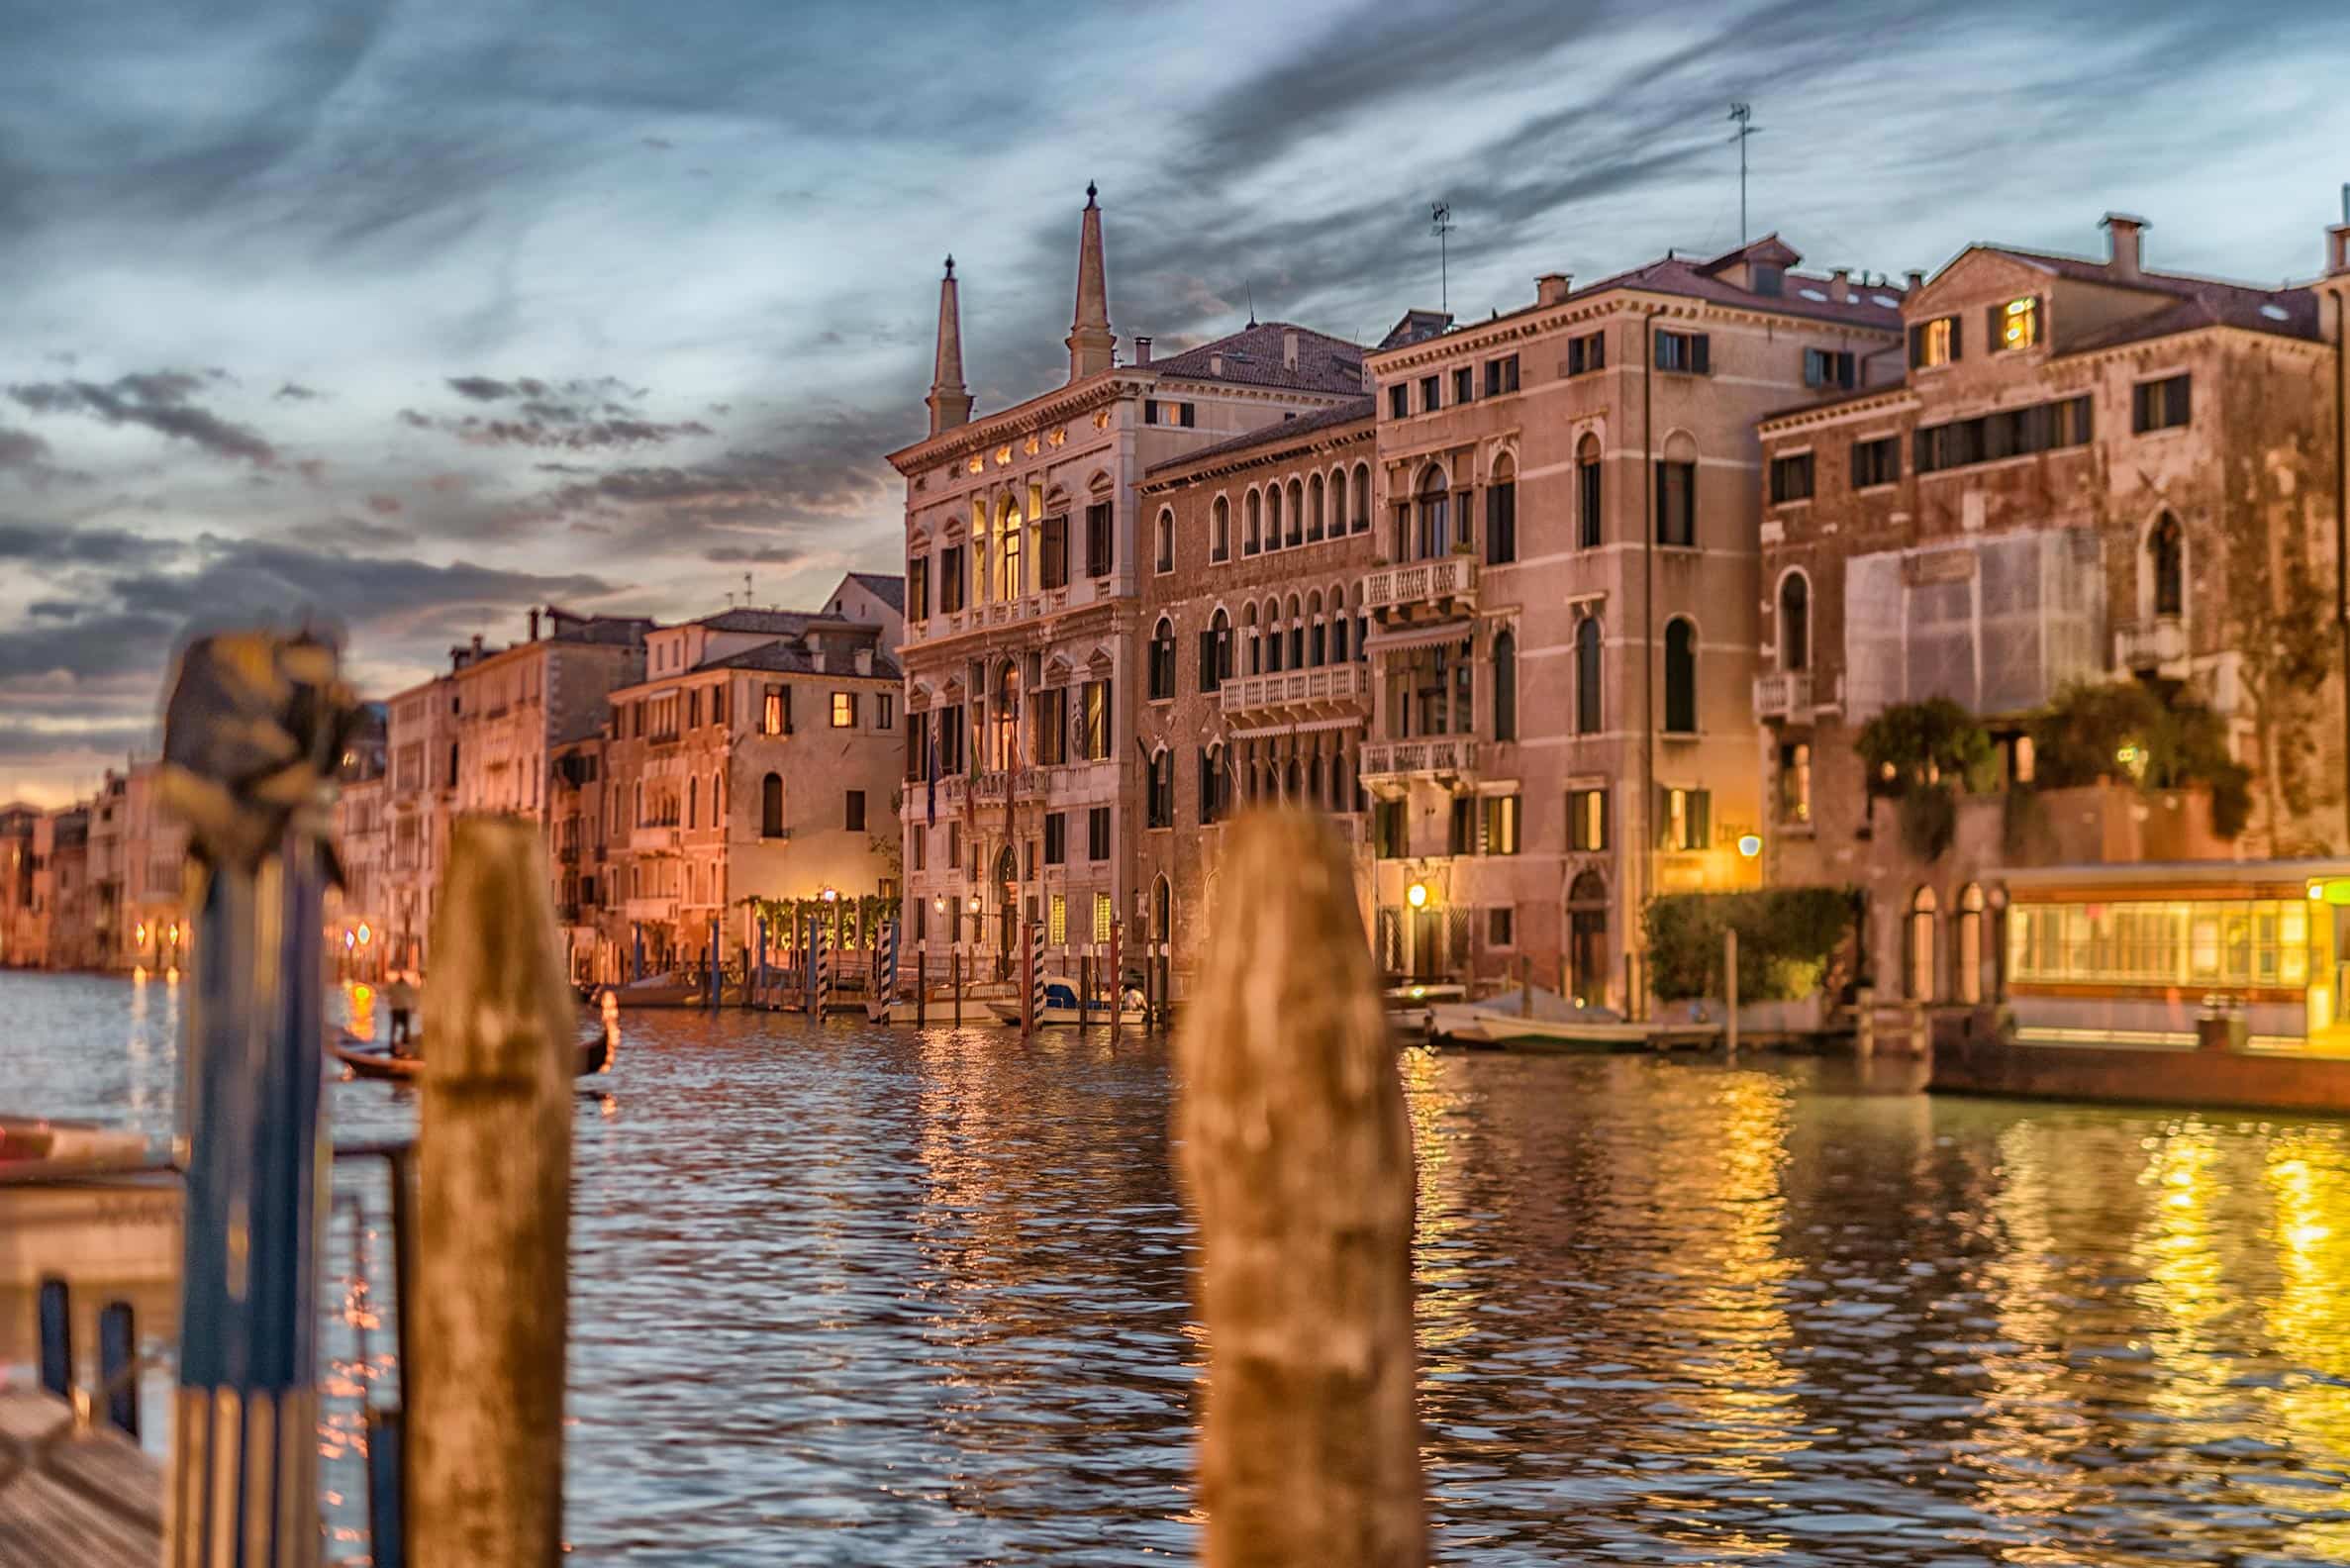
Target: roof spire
{"x": 1091, "y": 345}
{"x": 950, "y": 404}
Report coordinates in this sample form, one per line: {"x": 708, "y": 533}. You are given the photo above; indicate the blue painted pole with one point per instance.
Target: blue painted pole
{"x": 118, "y": 1377}
{"x": 711, "y": 963}
{"x": 759, "y": 987}
{"x": 56, "y": 1338}
{"x": 636, "y": 968}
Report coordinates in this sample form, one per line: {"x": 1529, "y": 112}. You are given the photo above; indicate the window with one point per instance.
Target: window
{"x": 1097, "y": 832}
{"x": 1828, "y": 367}
{"x": 1162, "y": 660}
{"x": 1056, "y": 837}
{"x": 1587, "y": 493}
{"x": 1677, "y": 503}
{"x": 1505, "y": 686}
{"x": 1769, "y": 279}
{"x": 2158, "y": 405}
{"x": 950, "y": 578}
{"x": 918, "y": 587}
{"x": 1436, "y": 516}
{"x": 1296, "y": 514}
{"x": 920, "y": 841}
{"x": 1587, "y": 676}
{"x": 1151, "y": 411}
{"x": 2010, "y": 433}
{"x": 885, "y": 710}
{"x": 1876, "y": 462}
{"x": 1162, "y": 791}
{"x": 1500, "y": 825}
{"x": 1429, "y": 400}
{"x": 844, "y": 710}
{"x": 770, "y": 806}
{"x": 775, "y": 713}
{"x": 1166, "y": 540}
{"x": 2166, "y": 564}
{"x": 1795, "y": 782}
{"x": 2014, "y": 325}
{"x": 1216, "y": 652}
{"x": 1052, "y": 565}
{"x": 1103, "y": 913}
{"x": 1684, "y": 819}
{"x": 693, "y": 803}
{"x": 1681, "y": 677}
{"x": 1314, "y": 508}
{"x": 1399, "y": 404}
{"x": 1498, "y": 927}
{"x": 1097, "y": 541}
{"x": 1464, "y": 384}
{"x": 1934, "y": 342}
{"x": 1462, "y": 837}
{"x": 1212, "y": 784}
{"x": 1587, "y": 353}
{"x": 1095, "y": 715}
{"x": 1220, "y": 530}
{"x": 1254, "y": 508}
{"x": 1360, "y": 491}
{"x": 1794, "y": 621}
{"x": 1587, "y": 819}
{"x": 856, "y": 811}
{"x": 1790, "y": 479}
{"x": 1686, "y": 353}
{"x": 1500, "y": 375}
{"x": 1500, "y": 517}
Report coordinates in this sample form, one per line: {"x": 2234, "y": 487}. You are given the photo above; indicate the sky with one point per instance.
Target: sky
{"x": 401, "y": 316}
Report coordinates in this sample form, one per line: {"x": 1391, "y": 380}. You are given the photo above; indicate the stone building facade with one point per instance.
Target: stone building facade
{"x": 1562, "y": 617}
{"x": 1255, "y": 686}
{"x": 2085, "y": 470}
{"x": 419, "y": 796}
{"x": 1025, "y": 561}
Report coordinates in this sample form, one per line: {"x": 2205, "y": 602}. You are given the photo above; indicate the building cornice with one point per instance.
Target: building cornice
{"x": 1893, "y": 400}
{"x": 1541, "y": 320}
{"x": 1272, "y": 454}
{"x": 1063, "y": 403}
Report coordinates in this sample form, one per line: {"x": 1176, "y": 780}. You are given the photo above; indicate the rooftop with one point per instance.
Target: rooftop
{"x": 790, "y": 659}
{"x": 1346, "y": 413}
{"x": 887, "y": 587}
{"x": 1255, "y": 357}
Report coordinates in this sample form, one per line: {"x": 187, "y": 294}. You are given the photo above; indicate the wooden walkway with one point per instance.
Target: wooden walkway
{"x": 91, "y": 1497}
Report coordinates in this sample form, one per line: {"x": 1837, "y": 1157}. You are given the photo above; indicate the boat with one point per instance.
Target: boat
{"x": 1063, "y": 1009}
{"x": 1408, "y": 1005}
{"x": 661, "y": 990}
{"x": 1537, "y": 1019}
{"x": 363, "y": 1058}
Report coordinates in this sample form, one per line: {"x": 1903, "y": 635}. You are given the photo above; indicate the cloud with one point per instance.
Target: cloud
{"x": 384, "y": 504}
{"x": 767, "y": 555}
{"x": 295, "y": 392}
{"x": 84, "y": 547}
{"x": 109, "y": 642}
{"x": 582, "y": 415}
{"x": 20, "y": 740}
{"x": 157, "y": 399}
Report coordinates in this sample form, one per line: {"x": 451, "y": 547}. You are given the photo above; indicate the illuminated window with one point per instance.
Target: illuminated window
{"x": 2014, "y": 325}
{"x": 1102, "y": 916}
{"x": 1934, "y": 342}
{"x": 1057, "y": 924}
{"x": 1795, "y": 782}
{"x": 844, "y": 710}
{"x": 1002, "y": 456}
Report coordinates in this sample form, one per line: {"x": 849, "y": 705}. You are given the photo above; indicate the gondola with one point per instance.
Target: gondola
{"x": 366, "y": 1059}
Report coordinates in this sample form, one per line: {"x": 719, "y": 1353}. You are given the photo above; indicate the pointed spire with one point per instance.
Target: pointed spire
{"x": 950, "y": 404}
{"x": 1091, "y": 345}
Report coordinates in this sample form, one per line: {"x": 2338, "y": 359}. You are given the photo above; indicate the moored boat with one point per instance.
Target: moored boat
{"x": 366, "y": 1059}
{"x": 1063, "y": 1010}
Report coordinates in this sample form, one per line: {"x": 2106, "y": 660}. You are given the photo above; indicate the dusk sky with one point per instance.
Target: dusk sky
{"x": 410, "y": 314}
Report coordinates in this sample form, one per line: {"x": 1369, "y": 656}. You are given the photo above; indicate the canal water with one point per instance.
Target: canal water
{"x": 873, "y": 1296}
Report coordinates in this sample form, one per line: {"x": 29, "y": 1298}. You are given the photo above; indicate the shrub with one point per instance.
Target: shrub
{"x": 2125, "y": 732}
{"x": 1929, "y": 819}
{"x": 1787, "y": 940}
{"x": 1915, "y": 743}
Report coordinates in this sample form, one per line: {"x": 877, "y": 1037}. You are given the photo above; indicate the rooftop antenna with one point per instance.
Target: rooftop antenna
{"x": 1440, "y": 224}
{"x": 1744, "y": 114}
{"x": 747, "y": 599}
{"x": 1251, "y": 288}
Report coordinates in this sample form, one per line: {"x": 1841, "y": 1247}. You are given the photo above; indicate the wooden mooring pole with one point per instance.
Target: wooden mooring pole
{"x": 485, "y": 1408}
{"x": 1296, "y": 1158}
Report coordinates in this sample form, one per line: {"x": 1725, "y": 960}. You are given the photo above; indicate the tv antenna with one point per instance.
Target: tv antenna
{"x": 1744, "y": 114}
{"x": 1440, "y": 224}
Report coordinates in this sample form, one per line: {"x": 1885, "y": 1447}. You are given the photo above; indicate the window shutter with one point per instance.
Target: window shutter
{"x": 2181, "y": 411}
{"x": 1701, "y": 818}
{"x": 1990, "y": 329}
{"x": 1916, "y": 346}
{"x": 1847, "y": 366}
{"x": 1958, "y": 337}
{"x": 1699, "y": 358}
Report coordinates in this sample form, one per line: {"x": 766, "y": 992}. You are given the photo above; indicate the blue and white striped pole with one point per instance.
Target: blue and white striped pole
{"x": 1035, "y": 976}
{"x": 889, "y": 962}
{"x": 243, "y": 1485}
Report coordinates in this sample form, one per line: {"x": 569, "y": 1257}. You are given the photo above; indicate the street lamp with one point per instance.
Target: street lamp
{"x": 1750, "y": 844}
{"x": 1416, "y": 895}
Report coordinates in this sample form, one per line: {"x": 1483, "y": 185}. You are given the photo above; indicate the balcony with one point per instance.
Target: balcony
{"x": 657, "y": 839}
{"x": 662, "y": 738}
{"x": 1435, "y": 759}
{"x": 1783, "y": 694}
{"x": 1445, "y": 587}
{"x": 651, "y": 910}
{"x": 2159, "y": 644}
{"x": 1328, "y": 689}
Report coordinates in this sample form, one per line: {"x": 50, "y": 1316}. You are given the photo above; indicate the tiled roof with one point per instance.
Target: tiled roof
{"x": 1415, "y": 325}
{"x": 884, "y": 586}
{"x": 1345, "y": 413}
{"x": 1697, "y": 280}
{"x": 2201, "y": 302}
{"x": 1252, "y": 356}
{"x": 790, "y": 659}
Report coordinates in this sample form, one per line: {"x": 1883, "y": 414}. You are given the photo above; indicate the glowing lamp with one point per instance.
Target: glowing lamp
{"x": 351, "y": 940}
{"x": 142, "y": 927}
{"x": 365, "y": 934}
{"x": 939, "y": 904}
{"x": 832, "y": 894}
{"x": 2331, "y": 890}
{"x": 1750, "y": 844}
{"x": 1416, "y": 895}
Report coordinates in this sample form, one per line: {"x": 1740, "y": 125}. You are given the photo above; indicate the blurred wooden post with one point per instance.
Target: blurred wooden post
{"x": 485, "y": 1411}
{"x": 1117, "y": 987}
{"x": 1729, "y": 988}
{"x": 954, "y": 978}
{"x": 922, "y": 985}
{"x": 1296, "y": 1158}
{"x": 1526, "y": 985}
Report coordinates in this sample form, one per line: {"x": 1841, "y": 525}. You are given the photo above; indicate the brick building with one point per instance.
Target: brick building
{"x": 2082, "y": 470}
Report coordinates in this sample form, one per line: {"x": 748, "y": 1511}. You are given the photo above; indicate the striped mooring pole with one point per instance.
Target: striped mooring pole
{"x": 1036, "y": 1011}
{"x": 253, "y": 731}
{"x": 823, "y": 970}
{"x": 888, "y": 985}
{"x": 758, "y": 989}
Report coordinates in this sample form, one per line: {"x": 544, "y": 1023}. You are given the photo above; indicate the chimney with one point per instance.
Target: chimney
{"x": 864, "y": 661}
{"x": 2121, "y": 242}
{"x": 534, "y": 623}
{"x": 1839, "y": 285}
{"x": 1289, "y": 349}
{"x": 1142, "y": 348}
{"x": 1551, "y": 289}
{"x": 2337, "y": 250}
{"x": 1216, "y": 365}
{"x": 477, "y": 644}
{"x": 1917, "y": 280}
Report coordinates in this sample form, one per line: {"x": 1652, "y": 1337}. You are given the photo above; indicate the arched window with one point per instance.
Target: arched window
{"x": 1218, "y": 650}
{"x": 1337, "y": 625}
{"x": 1255, "y": 509}
{"x": 1587, "y": 939}
{"x": 1296, "y": 512}
{"x": 1003, "y": 719}
{"x": 1677, "y": 492}
{"x": 1681, "y": 677}
{"x": 693, "y": 803}
{"x": 640, "y": 803}
{"x": 2166, "y": 564}
{"x": 1919, "y": 951}
{"x": 771, "y": 806}
{"x": 1501, "y": 512}
{"x": 1970, "y": 944}
{"x": 1359, "y": 495}
{"x": 1505, "y": 686}
{"x": 1434, "y": 535}
{"x": 1219, "y": 536}
{"x": 1587, "y": 675}
{"x": 1314, "y": 508}
{"x": 1318, "y": 637}
{"x": 1162, "y": 660}
{"x": 1794, "y": 621}
{"x": 1007, "y": 533}
{"x": 1166, "y": 540}
{"x": 1162, "y": 911}
{"x": 1297, "y": 635}
{"x": 1273, "y": 517}
{"x": 1587, "y": 492}
{"x": 1256, "y": 639}
{"x": 1161, "y": 804}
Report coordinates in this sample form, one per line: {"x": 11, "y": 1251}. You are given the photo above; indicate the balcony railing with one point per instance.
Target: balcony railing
{"x": 652, "y": 909}
{"x": 658, "y": 839}
{"x": 2149, "y": 644}
{"x": 1429, "y": 757}
{"x": 662, "y": 738}
{"x": 1782, "y": 694}
{"x": 1332, "y": 686}
{"x": 1446, "y": 586}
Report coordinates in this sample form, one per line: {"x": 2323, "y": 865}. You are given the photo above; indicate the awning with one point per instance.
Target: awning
{"x": 1420, "y": 636}
{"x": 1303, "y": 727}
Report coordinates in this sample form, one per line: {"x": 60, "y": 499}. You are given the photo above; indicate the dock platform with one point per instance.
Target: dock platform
{"x": 72, "y": 1491}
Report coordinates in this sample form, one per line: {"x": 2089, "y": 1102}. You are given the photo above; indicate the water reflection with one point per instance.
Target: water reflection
{"x": 922, "y": 1298}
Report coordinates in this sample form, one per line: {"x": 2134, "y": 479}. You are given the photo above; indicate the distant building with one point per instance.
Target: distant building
{"x": 357, "y": 942}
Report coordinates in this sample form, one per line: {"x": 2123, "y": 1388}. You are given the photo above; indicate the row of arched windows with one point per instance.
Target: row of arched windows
{"x": 1281, "y": 516}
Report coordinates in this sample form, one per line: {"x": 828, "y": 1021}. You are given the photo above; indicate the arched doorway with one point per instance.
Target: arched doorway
{"x": 1007, "y": 911}
{"x": 1587, "y": 939}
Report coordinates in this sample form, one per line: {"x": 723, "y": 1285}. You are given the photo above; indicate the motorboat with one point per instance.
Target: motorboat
{"x": 1062, "y": 1008}
{"x": 1533, "y": 1019}
{"x": 363, "y": 1058}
